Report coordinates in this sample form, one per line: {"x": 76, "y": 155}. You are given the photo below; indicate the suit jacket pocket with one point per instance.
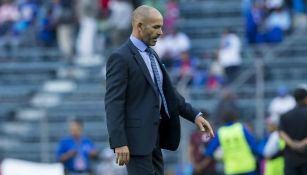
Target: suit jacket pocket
{"x": 133, "y": 123}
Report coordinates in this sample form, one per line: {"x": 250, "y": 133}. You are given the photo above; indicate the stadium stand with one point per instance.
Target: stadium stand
{"x": 204, "y": 22}
{"x": 26, "y": 99}
{"x": 33, "y": 116}
{"x": 283, "y": 63}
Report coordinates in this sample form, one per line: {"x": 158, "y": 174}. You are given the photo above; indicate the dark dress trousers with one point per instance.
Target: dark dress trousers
{"x": 132, "y": 105}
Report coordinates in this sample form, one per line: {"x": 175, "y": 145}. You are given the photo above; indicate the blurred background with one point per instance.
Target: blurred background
{"x": 244, "y": 56}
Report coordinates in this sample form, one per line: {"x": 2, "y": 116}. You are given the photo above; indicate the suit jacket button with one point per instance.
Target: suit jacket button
{"x": 156, "y": 123}
{"x": 156, "y": 106}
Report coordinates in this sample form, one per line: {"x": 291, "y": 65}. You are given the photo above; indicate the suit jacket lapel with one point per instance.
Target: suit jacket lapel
{"x": 142, "y": 65}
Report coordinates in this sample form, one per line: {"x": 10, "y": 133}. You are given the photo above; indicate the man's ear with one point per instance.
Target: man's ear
{"x": 140, "y": 26}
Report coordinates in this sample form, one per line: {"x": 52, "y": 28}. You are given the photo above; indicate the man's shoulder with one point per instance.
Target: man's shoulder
{"x": 122, "y": 52}
{"x": 291, "y": 114}
{"x": 122, "y": 49}
{"x": 287, "y": 114}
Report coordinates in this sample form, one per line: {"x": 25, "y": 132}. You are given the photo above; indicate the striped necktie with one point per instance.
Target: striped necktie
{"x": 157, "y": 78}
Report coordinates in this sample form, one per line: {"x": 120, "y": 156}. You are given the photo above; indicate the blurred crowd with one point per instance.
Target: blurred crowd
{"x": 82, "y": 28}
{"x": 269, "y": 21}
{"x": 77, "y": 27}
{"x": 213, "y": 70}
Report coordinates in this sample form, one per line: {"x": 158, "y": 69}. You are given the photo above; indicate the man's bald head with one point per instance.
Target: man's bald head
{"x": 143, "y": 13}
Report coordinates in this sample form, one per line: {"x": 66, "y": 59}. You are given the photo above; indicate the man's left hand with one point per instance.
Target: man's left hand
{"x": 204, "y": 125}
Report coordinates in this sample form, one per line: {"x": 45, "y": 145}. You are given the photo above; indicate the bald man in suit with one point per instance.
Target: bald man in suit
{"x": 142, "y": 106}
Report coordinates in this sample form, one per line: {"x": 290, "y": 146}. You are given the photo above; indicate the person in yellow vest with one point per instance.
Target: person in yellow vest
{"x": 273, "y": 149}
{"x": 238, "y": 146}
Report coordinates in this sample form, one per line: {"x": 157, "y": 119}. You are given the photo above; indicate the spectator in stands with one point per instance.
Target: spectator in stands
{"x": 268, "y": 21}
{"x": 183, "y": 43}
{"x": 169, "y": 51}
{"x": 87, "y": 11}
{"x": 184, "y": 68}
{"x": 293, "y": 130}
{"x": 46, "y": 35}
{"x": 104, "y": 6}
{"x": 254, "y": 19}
{"x": 277, "y": 23}
{"x": 279, "y": 18}
{"x": 76, "y": 150}
{"x": 229, "y": 54}
{"x": 282, "y": 103}
{"x": 66, "y": 19}
{"x": 216, "y": 75}
{"x": 28, "y": 11}
{"x": 171, "y": 15}
{"x": 299, "y": 8}
{"x": 162, "y": 50}
{"x": 119, "y": 21}
{"x": 9, "y": 15}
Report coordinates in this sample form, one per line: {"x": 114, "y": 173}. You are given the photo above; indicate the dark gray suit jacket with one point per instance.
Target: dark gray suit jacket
{"x": 132, "y": 105}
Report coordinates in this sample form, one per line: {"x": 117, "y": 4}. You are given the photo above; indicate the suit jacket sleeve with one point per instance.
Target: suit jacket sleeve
{"x": 116, "y": 85}
{"x": 185, "y": 109}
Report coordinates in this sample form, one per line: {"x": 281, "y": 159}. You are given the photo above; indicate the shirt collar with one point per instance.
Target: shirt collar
{"x": 140, "y": 45}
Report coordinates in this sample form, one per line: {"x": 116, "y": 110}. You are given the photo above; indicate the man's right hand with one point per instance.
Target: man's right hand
{"x": 122, "y": 155}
